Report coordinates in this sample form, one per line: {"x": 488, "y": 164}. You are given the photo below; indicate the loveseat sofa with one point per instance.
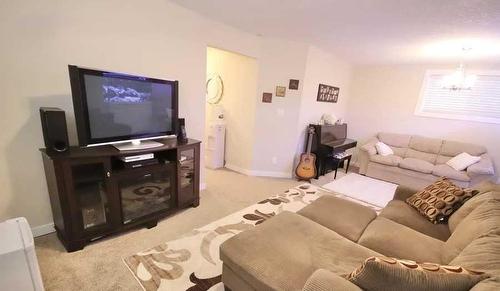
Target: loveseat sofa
{"x": 418, "y": 161}
{"x": 312, "y": 249}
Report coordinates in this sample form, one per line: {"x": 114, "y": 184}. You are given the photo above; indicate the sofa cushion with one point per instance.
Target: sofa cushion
{"x": 391, "y": 160}
{"x": 425, "y": 144}
{"x": 396, "y": 240}
{"x": 345, "y": 217}
{"x": 442, "y": 159}
{"x": 483, "y": 167}
{"x": 431, "y": 158}
{"x": 481, "y": 221}
{"x": 453, "y": 148}
{"x": 383, "y": 273}
{"x": 401, "y": 152}
{"x": 324, "y": 280}
{"x": 448, "y": 172}
{"x": 404, "y": 177}
{"x": 439, "y": 200}
{"x": 416, "y": 165}
{"x": 487, "y": 186}
{"x": 469, "y": 206}
{"x": 481, "y": 254}
{"x": 283, "y": 252}
{"x": 395, "y": 139}
{"x": 404, "y": 214}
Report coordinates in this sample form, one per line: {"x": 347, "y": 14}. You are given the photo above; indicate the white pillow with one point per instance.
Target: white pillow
{"x": 462, "y": 161}
{"x": 383, "y": 149}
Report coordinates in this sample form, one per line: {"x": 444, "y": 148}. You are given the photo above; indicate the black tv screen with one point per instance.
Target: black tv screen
{"x": 112, "y": 107}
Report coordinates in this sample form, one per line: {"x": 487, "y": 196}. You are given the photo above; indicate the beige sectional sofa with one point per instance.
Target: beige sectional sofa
{"x": 419, "y": 161}
{"x": 313, "y": 249}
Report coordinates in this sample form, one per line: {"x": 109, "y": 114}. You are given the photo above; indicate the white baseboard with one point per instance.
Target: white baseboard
{"x": 259, "y": 173}
{"x": 238, "y": 169}
{"x": 43, "y": 229}
{"x": 272, "y": 174}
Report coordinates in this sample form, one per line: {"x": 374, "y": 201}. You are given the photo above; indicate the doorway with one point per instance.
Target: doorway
{"x": 230, "y": 107}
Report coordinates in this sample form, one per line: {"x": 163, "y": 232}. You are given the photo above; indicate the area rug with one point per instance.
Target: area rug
{"x": 366, "y": 189}
{"x": 192, "y": 261}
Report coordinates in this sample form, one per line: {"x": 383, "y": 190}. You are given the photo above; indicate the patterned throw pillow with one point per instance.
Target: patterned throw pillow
{"x": 382, "y": 273}
{"x": 439, "y": 200}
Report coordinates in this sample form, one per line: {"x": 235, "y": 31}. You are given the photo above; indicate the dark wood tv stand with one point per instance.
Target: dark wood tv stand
{"x": 94, "y": 194}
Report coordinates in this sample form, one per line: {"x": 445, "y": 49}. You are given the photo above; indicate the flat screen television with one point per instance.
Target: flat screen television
{"x": 114, "y": 108}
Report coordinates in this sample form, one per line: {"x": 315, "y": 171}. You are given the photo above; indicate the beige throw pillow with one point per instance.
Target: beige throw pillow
{"x": 439, "y": 200}
{"x": 383, "y": 149}
{"x": 462, "y": 161}
{"x": 383, "y": 273}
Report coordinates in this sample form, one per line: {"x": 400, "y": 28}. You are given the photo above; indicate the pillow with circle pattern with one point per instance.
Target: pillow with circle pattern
{"x": 440, "y": 199}
{"x": 383, "y": 273}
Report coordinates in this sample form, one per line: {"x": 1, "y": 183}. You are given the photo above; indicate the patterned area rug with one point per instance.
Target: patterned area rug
{"x": 192, "y": 261}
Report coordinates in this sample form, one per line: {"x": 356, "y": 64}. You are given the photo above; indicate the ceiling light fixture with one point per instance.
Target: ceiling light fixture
{"x": 459, "y": 80}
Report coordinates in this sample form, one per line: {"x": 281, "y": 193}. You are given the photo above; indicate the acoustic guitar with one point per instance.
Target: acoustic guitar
{"x": 306, "y": 169}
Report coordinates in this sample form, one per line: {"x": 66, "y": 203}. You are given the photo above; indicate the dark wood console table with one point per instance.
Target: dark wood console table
{"x": 94, "y": 194}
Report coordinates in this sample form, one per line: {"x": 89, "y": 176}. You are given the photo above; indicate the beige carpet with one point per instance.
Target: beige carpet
{"x": 100, "y": 267}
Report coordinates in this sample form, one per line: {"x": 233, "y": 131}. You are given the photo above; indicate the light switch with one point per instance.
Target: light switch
{"x": 280, "y": 112}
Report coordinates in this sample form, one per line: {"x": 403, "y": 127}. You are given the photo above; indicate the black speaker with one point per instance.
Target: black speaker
{"x": 181, "y": 134}
{"x": 55, "y": 132}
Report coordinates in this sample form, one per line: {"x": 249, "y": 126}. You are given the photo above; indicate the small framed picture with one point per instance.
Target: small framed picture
{"x": 293, "y": 84}
{"x": 267, "y": 97}
{"x": 280, "y": 91}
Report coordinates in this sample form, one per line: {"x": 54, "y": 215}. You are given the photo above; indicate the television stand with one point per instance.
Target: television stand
{"x": 93, "y": 194}
{"x": 137, "y": 145}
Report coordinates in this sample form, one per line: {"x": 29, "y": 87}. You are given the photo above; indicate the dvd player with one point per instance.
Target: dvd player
{"x": 128, "y": 159}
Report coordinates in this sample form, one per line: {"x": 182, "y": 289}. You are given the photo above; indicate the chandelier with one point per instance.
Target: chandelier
{"x": 459, "y": 80}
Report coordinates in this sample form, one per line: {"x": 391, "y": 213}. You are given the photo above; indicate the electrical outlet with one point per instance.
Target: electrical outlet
{"x": 274, "y": 160}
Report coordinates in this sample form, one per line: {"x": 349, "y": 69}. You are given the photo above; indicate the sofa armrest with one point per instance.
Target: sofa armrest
{"x": 483, "y": 167}
{"x": 364, "y": 153}
{"x": 324, "y": 280}
{"x": 369, "y": 146}
{"x": 404, "y": 192}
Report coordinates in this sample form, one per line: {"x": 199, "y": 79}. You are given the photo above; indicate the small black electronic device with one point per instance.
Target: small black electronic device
{"x": 181, "y": 134}
{"x": 55, "y": 131}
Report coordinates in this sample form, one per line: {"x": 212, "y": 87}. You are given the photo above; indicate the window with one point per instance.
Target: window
{"x": 481, "y": 103}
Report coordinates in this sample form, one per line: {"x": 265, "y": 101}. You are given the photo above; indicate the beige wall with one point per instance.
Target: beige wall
{"x": 322, "y": 67}
{"x": 276, "y": 122}
{"x": 39, "y": 40}
{"x": 239, "y": 74}
{"x": 384, "y": 99}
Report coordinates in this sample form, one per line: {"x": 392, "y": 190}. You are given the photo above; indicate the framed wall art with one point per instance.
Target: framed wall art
{"x": 280, "y": 91}
{"x": 267, "y": 97}
{"x": 293, "y": 84}
{"x": 328, "y": 93}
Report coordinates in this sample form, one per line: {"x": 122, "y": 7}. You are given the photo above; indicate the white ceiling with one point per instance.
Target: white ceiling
{"x": 371, "y": 31}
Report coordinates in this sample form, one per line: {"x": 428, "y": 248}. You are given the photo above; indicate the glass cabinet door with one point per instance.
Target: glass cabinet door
{"x": 89, "y": 188}
{"x": 186, "y": 175}
{"x": 143, "y": 193}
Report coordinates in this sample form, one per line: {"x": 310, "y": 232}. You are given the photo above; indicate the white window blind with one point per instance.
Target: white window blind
{"x": 481, "y": 103}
